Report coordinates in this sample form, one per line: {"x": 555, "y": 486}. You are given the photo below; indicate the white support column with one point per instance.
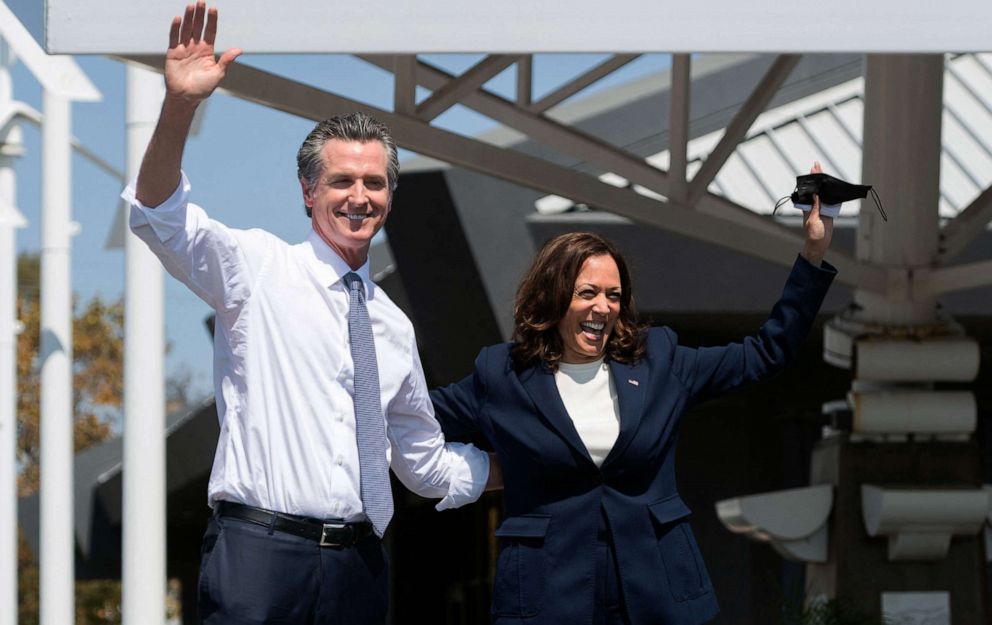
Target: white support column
{"x": 10, "y": 148}
{"x": 905, "y": 434}
{"x": 902, "y": 125}
{"x": 144, "y": 524}
{"x": 8, "y": 397}
{"x": 57, "y": 562}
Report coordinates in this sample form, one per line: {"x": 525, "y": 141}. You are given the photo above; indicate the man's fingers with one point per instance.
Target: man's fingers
{"x": 174, "y": 32}
{"x": 210, "y": 34}
{"x": 186, "y": 31}
{"x": 228, "y": 57}
{"x": 816, "y": 168}
{"x": 198, "y": 19}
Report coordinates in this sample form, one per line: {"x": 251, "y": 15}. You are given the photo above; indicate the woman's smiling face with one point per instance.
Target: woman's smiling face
{"x": 595, "y": 306}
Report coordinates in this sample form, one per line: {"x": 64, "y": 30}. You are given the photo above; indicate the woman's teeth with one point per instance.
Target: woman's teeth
{"x": 593, "y": 327}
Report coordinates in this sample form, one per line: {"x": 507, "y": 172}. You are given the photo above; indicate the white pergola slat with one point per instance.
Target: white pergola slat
{"x": 524, "y": 26}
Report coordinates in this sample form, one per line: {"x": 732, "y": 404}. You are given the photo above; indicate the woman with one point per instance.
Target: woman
{"x": 583, "y": 410}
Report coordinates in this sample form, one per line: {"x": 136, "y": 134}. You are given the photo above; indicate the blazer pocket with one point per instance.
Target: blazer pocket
{"x": 679, "y": 553}
{"x": 521, "y": 566}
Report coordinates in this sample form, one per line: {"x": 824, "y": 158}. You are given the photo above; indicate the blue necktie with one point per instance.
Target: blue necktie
{"x": 370, "y": 429}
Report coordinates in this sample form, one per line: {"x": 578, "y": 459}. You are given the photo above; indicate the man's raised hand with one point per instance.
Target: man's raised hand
{"x": 191, "y": 70}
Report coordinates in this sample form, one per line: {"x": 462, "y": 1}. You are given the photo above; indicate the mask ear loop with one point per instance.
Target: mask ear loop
{"x": 780, "y": 202}
{"x": 878, "y": 204}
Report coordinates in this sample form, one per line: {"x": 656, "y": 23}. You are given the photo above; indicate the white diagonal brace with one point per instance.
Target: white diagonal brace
{"x": 576, "y": 85}
{"x": 961, "y": 277}
{"x": 312, "y": 103}
{"x": 961, "y": 231}
{"x": 58, "y": 75}
{"x": 454, "y": 90}
{"x": 404, "y": 69}
{"x": 739, "y": 125}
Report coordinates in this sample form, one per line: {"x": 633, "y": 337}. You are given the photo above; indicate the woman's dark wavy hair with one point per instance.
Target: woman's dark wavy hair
{"x": 546, "y": 292}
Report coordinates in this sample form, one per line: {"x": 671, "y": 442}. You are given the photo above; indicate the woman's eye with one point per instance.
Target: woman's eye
{"x": 614, "y": 296}
{"x": 587, "y": 294}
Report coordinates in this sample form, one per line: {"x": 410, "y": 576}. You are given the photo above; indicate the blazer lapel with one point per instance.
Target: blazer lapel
{"x": 631, "y": 382}
{"x": 540, "y": 385}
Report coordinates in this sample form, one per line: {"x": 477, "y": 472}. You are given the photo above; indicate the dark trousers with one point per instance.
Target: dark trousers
{"x": 250, "y": 574}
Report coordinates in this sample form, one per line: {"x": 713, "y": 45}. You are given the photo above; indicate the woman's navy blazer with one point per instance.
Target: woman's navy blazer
{"x": 554, "y": 492}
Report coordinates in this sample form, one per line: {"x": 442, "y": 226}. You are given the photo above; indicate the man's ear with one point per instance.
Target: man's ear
{"x": 307, "y": 196}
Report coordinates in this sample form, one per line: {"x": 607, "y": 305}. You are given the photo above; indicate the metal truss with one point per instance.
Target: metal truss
{"x": 673, "y": 201}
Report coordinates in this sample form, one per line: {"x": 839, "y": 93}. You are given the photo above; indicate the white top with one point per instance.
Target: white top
{"x": 590, "y": 398}
{"x": 283, "y": 373}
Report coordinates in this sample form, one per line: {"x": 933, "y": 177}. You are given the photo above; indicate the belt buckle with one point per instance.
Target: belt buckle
{"x": 324, "y": 541}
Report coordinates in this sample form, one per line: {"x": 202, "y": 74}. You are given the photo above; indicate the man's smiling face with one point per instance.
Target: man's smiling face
{"x": 351, "y": 199}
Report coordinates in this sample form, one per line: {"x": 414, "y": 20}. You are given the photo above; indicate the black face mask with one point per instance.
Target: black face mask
{"x": 831, "y": 191}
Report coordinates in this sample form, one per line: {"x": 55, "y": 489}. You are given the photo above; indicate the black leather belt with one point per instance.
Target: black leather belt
{"x": 331, "y": 534}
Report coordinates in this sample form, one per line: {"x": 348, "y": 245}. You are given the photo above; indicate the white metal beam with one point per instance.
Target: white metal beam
{"x": 525, "y": 26}
{"x": 405, "y": 83}
{"x": 21, "y": 112}
{"x": 579, "y": 83}
{"x": 961, "y": 231}
{"x": 474, "y": 77}
{"x": 960, "y": 277}
{"x": 525, "y": 80}
{"x": 755, "y": 104}
{"x": 678, "y": 126}
{"x": 311, "y": 103}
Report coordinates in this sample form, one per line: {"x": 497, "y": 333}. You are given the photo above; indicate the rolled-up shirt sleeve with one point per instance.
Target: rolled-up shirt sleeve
{"x": 421, "y": 459}
{"x": 203, "y": 254}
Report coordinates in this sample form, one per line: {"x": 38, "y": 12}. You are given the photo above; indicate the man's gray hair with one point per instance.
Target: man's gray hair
{"x": 355, "y": 126}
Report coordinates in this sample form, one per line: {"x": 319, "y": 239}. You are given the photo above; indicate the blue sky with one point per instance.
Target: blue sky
{"x": 242, "y": 164}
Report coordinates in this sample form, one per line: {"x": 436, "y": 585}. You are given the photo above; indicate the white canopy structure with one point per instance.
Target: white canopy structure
{"x": 917, "y": 54}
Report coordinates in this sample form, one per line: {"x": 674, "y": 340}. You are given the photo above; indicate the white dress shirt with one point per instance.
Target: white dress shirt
{"x": 590, "y": 398}
{"x": 283, "y": 373}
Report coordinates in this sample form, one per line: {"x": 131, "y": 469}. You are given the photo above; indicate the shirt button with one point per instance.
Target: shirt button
{"x": 340, "y": 418}
{"x": 339, "y": 461}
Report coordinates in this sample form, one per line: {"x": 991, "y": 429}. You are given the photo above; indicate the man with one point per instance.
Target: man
{"x": 319, "y": 386}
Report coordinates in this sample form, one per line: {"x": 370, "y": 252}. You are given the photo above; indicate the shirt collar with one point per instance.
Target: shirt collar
{"x": 331, "y": 268}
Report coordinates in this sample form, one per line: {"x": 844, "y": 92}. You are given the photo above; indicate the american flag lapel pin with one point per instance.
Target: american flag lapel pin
{"x": 634, "y": 382}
